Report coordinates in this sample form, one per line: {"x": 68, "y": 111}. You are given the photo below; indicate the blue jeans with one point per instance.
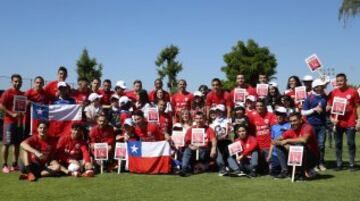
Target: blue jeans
{"x": 350, "y": 138}
{"x": 189, "y": 154}
{"x": 320, "y": 131}
{"x": 245, "y": 165}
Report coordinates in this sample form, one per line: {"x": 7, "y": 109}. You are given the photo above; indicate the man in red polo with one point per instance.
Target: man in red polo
{"x": 240, "y": 83}
{"x": 82, "y": 92}
{"x": 182, "y": 99}
{"x": 12, "y": 130}
{"x": 217, "y": 96}
{"x": 145, "y": 131}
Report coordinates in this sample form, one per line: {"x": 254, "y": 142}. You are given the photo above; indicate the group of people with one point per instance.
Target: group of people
{"x": 265, "y": 125}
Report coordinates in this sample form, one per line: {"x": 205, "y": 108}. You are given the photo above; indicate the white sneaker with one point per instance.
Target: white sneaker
{"x": 316, "y": 169}
{"x": 322, "y": 167}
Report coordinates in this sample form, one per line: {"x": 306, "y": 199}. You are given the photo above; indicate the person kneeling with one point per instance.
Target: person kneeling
{"x": 73, "y": 153}
{"x": 37, "y": 155}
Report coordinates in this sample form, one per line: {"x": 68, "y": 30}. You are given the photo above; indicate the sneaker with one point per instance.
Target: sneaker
{"x": 237, "y": 173}
{"x": 253, "y": 173}
{"x": 311, "y": 174}
{"x": 88, "y": 173}
{"x": 5, "y": 169}
{"x": 282, "y": 175}
{"x": 23, "y": 177}
{"x": 223, "y": 172}
{"x": 317, "y": 169}
{"x": 183, "y": 174}
{"x": 14, "y": 168}
{"x": 31, "y": 177}
{"x": 322, "y": 167}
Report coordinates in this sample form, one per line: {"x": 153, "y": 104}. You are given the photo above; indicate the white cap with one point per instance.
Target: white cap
{"x": 121, "y": 84}
{"x": 129, "y": 121}
{"x": 213, "y": 108}
{"x": 123, "y": 100}
{"x": 94, "y": 96}
{"x": 198, "y": 93}
{"x": 273, "y": 84}
{"x": 317, "y": 82}
{"x": 251, "y": 98}
{"x": 308, "y": 78}
{"x": 220, "y": 107}
{"x": 61, "y": 84}
{"x": 281, "y": 110}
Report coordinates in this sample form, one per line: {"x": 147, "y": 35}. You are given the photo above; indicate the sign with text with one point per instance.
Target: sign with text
{"x": 295, "y": 155}
{"x": 19, "y": 103}
{"x": 313, "y": 62}
{"x": 153, "y": 115}
{"x": 239, "y": 95}
{"x": 178, "y": 137}
{"x": 101, "y": 151}
{"x": 235, "y": 148}
{"x": 262, "y": 89}
{"x": 300, "y": 93}
{"x": 338, "y": 106}
{"x": 198, "y": 136}
{"x": 120, "y": 151}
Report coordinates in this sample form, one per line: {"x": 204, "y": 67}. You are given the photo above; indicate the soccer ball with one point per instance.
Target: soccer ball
{"x": 73, "y": 167}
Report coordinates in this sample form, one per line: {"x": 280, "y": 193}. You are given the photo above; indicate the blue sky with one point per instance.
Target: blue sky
{"x": 126, "y": 36}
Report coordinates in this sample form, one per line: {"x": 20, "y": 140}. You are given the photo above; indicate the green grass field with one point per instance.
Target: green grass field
{"x": 343, "y": 185}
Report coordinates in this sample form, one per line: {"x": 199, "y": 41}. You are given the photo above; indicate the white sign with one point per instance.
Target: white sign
{"x": 338, "y": 106}
{"x": 235, "y": 148}
{"x": 153, "y": 115}
{"x": 19, "y": 104}
{"x": 262, "y": 89}
{"x": 198, "y": 136}
{"x": 295, "y": 155}
{"x": 300, "y": 93}
{"x": 239, "y": 95}
{"x": 313, "y": 62}
{"x": 178, "y": 137}
{"x": 101, "y": 151}
{"x": 120, "y": 151}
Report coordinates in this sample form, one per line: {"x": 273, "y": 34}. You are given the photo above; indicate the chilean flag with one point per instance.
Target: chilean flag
{"x": 60, "y": 117}
{"x": 149, "y": 157}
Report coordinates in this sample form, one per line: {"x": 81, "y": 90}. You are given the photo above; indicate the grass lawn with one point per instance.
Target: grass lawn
{"x": 343, "y": 185}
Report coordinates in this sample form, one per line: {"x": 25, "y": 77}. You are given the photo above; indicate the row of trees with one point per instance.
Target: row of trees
{"x": 249, "y": 59}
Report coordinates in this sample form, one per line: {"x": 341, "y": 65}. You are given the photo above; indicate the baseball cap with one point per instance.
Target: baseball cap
{"x": 280, "y": 110}
{"x": 61, "y": 84}
{"x": 239, "y": 106}
{"x": 114, "y": 96}
{"x": 308, "y": 78}
{"x": 94, "y": 96}
{"x": 198, "y": 93}
{"x": 121, "y": 84}
{"x": 251, "y": 98}
{"x": 317, "y": 82}
{"x": 220, "y": 107}
{"x": 123, "y": 100}
{"x": 273, "y": 84}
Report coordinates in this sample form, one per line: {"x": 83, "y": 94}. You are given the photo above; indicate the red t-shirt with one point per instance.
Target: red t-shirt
{"x": 250, "y": 91}
{"x": 352, "y": 97}
{"x": 123, "y": 116}
{"x": 46, "y": 147}
{"x": 209, "y": 135}
{"x": 51, "y": 89}
{"x": 106, "y": 95}
{"x": 7, "y": 100}
{"x": 181, "y": 101}
{"x": 132, "y": 95}
{"x": 165, "y": 123}
{"x": 305, "y": 129}
{"x": 150, "y": 133}
{"x": 102, "y": 135}
{"x": 80, "y": 96}
{"x": 249, "y": 144}
{"x": 213, "y": 99}
{"x": 152, "y": 96}
{"x": 260, "y": 125}
{"x": 69, "y": 149}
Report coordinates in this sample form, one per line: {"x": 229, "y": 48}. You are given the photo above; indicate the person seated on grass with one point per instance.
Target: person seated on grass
{"x": 145, "y": 131}
{"x": 102, "y": 132}
{"x": 276, "y": 131}
{"x": 247, "y": 161}
{"x": 206, "y": 152}
{"x": 38, "y": 152}
{"x": 300, "y": 134}
{"x": 72, "y": 153}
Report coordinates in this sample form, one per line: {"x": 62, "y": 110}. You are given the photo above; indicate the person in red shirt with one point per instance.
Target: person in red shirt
{"x": 71, "y": 150}
{"x": 247, "y": 160}
{"x": 134, "y": 94}
{"x": 145, "y": 131}
{"x": 34, "y": 95}
{"x": 38, "y": 153}
{"x": 95, "y": 85}
{"x": 106, "y": 93}
{"x": 217, "y": 96}
{"x": 240, "y": 83}
{"x": 205, "y": 151}
{"x": 158, "y": 84}
{"x": 181, "y": 99}
{"x": 82, "y": 92}
{"x": 165, "y": 120}
{"x": 51, "y": 88}
{"x": 260, "y": 122}
{"x": 347, "y": 123}
{"x": 12, "y": 130}
{"x": 301, "y": 134}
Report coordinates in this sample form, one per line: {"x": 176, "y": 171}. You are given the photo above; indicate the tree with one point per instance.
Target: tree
{"x": 88, "y": 68}
{"x": 167, "y": 66}
{"x": 250, "y": 60}
{"x": 349, "y": 8}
